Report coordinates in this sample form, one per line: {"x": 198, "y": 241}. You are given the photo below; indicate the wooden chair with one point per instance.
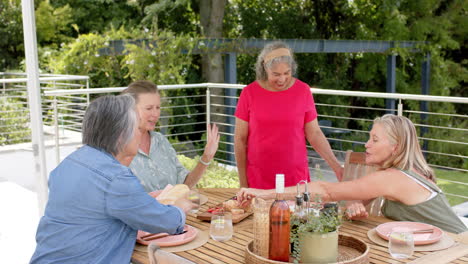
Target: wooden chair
{"x": 158, "y": 256}
{"x": 355, "y": 167}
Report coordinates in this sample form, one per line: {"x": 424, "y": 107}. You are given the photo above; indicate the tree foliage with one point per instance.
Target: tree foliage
{"x": 11, "y": 32}
{"x": 98, "y": 16}
{"x": 164, "y": 63}
{"x": 71, "y": 34}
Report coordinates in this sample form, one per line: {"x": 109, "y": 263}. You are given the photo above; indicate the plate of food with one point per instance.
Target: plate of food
{"x": 166, "y": 240}
{"x": 238, "y": 211}
{"x": 423, "y": 234}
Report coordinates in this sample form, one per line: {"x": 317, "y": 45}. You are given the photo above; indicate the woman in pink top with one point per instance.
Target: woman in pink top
{"x": 274, "y": 116}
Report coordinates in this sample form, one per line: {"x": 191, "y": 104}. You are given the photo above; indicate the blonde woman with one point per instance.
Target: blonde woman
{"x": 156, "y": 164}
{"x": 405, "y": 181}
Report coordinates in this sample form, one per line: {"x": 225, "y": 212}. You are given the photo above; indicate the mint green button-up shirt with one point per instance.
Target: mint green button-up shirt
{"x": 161, "y": 167}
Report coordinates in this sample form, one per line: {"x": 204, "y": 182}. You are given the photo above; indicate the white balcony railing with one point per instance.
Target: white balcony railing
{"x": 187, "y": 108}
{"x": 14, "y": 111}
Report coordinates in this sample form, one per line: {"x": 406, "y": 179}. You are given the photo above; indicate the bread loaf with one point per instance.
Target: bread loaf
{"x": 171, "y": 195}
{"x": 236, "y": 211}
{"x": 231, "y": 205}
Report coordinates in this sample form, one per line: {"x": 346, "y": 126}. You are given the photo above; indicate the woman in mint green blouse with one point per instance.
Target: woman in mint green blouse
{"x": 156, "y": 164}
{"x": 405, "y": 180}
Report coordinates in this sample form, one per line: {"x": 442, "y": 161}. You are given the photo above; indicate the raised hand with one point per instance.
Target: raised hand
{"x": 211, "y": 142}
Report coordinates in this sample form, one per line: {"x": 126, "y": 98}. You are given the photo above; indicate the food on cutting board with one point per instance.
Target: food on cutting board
{"x": 231, "y": 205}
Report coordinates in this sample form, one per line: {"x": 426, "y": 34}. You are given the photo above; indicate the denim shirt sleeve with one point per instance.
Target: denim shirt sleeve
{"x": 127, "y": 201}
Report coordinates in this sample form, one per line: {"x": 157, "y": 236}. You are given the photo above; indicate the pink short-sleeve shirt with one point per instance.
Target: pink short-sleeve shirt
{"x": 276, "y": 140}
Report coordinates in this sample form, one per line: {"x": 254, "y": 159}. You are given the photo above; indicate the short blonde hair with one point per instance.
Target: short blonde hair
{"x": 408, "y": 155}
{"x": 141, "y": 87}
{"x": 261, "y": 65}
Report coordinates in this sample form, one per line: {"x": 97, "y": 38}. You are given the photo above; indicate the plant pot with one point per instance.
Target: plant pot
{"x": 318, "y": 247}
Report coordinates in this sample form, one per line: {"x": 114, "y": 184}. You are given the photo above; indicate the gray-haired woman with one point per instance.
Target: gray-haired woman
{"x": 96, "y": 204}
{"x": 274, "y": 116}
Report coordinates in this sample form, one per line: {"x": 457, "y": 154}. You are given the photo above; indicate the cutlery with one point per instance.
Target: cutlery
{"x": 420, "y": 231}
{"x": 149, "y": 237}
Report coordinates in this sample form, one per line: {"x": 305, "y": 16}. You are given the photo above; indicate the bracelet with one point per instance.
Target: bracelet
{"x": 204, "y": 163}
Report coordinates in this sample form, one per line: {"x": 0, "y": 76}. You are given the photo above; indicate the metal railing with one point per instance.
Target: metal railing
{"x": 187, "y": 108}
{"x": 345, "y": 120}
{"x": 14, "y": 112}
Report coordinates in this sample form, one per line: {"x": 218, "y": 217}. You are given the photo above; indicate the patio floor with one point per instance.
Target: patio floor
{"x": 18, "y": 199}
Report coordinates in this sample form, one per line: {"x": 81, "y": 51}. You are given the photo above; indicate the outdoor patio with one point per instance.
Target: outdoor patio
{"x": 18, "y": 197}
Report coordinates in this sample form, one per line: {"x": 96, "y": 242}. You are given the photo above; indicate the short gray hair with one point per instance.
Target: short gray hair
{"x": 109, "y": 123}
{"x": 261, "y": 66}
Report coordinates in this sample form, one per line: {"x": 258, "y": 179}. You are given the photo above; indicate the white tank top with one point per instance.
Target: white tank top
{"x": 433, "y": 194}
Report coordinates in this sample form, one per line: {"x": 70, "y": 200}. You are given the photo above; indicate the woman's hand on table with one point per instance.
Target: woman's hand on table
{"x": 245, "y": 195}
{"x": 356, "y": 210}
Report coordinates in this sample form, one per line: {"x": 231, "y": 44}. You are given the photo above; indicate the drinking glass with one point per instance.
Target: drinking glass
{"x": 401, "y": 243}
{"x": 261, "y": 226}
{"x": 221, "y": 226}
{"x": 194, "y": 197}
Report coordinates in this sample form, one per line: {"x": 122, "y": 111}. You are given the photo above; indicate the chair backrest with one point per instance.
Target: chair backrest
{"x": 158, "y": 256}
{"x": 355, "y": 167}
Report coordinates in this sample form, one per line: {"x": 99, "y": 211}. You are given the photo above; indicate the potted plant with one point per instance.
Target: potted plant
{"x": 314, "y": 236}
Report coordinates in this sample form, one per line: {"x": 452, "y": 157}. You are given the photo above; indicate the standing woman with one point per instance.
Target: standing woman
{"x": 156, "y": 164}
{"x": 274, "y": 116}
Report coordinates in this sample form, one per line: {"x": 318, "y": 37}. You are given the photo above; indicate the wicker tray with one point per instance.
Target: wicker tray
{"x": 350, "y": 250}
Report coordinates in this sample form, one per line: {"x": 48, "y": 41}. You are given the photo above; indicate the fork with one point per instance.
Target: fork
{"x": 417, "y": 231}
{"x": 149, "y": 237}
{"x": 421, "y": 231}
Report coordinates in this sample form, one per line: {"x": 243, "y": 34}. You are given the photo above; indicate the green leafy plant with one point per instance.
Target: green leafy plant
{"x": 320, "y": 221}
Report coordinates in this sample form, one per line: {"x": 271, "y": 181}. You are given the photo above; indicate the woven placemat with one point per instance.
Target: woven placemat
{"x": 200, "y": 240}
{"x": 445, "y": 242}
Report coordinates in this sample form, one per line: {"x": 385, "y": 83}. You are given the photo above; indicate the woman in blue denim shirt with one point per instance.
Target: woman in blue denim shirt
{"x": 96, "y": 204}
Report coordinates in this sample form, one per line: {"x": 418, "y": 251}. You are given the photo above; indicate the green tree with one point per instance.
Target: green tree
{"x": 52, "y": 24}
{"x": 82, "y": 57}
{"x": 98, "y": 16}
{"x": 11, "y": 32}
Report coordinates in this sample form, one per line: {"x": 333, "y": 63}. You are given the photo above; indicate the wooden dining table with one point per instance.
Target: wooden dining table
{"x": 233, "y": 250}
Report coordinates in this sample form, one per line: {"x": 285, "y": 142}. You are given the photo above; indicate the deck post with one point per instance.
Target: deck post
{"x": 230, "y": 72}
